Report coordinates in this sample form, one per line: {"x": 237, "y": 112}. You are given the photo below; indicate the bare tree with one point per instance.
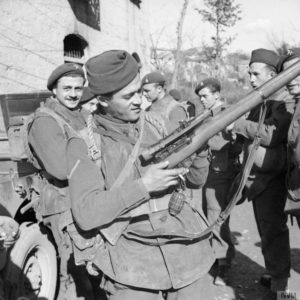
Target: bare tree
{"x": 177, "y": 57}
{"x": 221, "y": 14}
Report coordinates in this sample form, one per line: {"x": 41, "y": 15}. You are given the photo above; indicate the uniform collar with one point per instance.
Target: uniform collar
{"x": 108, "y": 123}
{"x": 74, "y": 117}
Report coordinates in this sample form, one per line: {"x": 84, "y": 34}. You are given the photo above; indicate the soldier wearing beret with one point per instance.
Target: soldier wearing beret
{"x": 223, "y": 159}
{"x": 162, "y": 104}
{"x": 137, "y": 245}
{"x": 293, "y": 182}
{"x": 48, "y": 141}
{"x": 266, "y": 184}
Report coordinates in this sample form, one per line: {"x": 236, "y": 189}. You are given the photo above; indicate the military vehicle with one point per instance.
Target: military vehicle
{"x": 31, "y": 267}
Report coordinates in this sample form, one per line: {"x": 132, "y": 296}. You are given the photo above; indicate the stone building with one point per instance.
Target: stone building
{"x": 38, "y": 35}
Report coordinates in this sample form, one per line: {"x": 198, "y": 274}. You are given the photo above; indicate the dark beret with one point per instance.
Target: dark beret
{"x": 175, "y": 94}
{"x": 66, "y": 69}
{"x": 291, "y": 54}
{"x": 211, "y": 82}
{"x": 153, "y": 77}
{"x": 265, "y": 56}
{"x": 87, "y": 95}
{"x": 110, "y": 71}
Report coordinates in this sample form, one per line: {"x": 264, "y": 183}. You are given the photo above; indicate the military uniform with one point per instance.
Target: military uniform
{"x": 266, "y": 184}
{"x": 48, "y": 142}
{"x": 136, "y": 264}
{"x": 169, "y": 110}
{"x": 222, "y": 170}
{"x": 165, "y": 107}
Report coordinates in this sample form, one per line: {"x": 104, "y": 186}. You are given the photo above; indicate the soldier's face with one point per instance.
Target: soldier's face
{"x": 151, "y": 91}
{"x": 294, "y": 85}
{"x": 68, "y": 91}
{"x": 207, "y": 97}
{"x": 259, "y": 73}
{"x": 125, "y": 105}
{"x": 91, "y": 106}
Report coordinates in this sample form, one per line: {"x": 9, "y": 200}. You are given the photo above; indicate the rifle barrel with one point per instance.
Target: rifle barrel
{"x": 232, "y": 113}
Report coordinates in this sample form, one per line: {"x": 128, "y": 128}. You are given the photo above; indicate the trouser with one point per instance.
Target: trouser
{"x": 116, "y": 291}
{"x": 272, "y": 227}
{"x": 74, "y": 280}
{"x": 215, "y": 201}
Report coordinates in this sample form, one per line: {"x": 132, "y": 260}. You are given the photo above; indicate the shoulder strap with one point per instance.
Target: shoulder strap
{"x": 180, "y": 236}
{"x": 59, "y": 120}
{"x": 132, "y": 157}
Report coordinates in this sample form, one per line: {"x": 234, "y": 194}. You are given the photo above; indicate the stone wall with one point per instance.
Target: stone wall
{"x": 32, "y": 34}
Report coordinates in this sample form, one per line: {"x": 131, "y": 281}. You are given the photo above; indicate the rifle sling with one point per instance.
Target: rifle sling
{"x": 113, "y": 232}
{"x": 182, "y": 235}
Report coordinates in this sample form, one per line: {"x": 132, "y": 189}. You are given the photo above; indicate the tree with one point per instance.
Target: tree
{"x": 221, "y": 14}
{"x": 177, "y": 57}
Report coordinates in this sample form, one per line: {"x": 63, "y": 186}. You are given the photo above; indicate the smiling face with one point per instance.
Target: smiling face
{"x": 68, "y": 91}
{"x": 294, "y": 85}
{"x": 125, "y": 105}
{"x": 259, "y": 73}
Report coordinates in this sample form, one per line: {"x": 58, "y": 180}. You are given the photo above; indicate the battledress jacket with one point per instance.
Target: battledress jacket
{"x": 224, "y": 151}
{"x": 169, "y": 110}
{"x": 95, "y": 205}
{"x": 49, "y": 142}
{"x": 273, "y": 135}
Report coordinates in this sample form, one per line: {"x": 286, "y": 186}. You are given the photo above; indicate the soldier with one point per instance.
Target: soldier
{"x": 88, "y": 102}
{"x": 266, "y": 184}
{"x": 48, "y": 141}
{"x": 162, "y": 104}
{"x": 292, "y": 204}
{"x": 224, "y": 153}
{"x": 189, "y": 106}
{"x": 142, "y": 245}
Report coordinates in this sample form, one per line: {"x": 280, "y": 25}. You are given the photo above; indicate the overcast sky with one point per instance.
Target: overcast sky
{"x": 264, "y": 22}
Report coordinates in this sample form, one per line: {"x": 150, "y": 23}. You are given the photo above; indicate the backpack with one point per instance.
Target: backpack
{"x": 21, "y": 150}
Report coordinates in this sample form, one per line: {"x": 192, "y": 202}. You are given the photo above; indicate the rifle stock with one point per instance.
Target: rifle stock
{"x": 224, "y": 118}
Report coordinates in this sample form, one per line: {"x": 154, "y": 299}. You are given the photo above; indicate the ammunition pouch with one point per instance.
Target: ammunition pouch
{"x": 53, "y": 200}
{"x": 85, "y": 244}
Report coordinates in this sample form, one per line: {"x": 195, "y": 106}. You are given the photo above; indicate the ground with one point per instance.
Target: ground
{"x": 248, "y": 264}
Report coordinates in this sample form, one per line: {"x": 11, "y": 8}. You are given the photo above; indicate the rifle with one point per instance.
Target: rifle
{"x": 183, "y": 142}
{"x": 176, "y": 140}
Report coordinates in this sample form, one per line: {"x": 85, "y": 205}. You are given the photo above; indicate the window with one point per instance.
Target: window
{"x": 74, "y": 45}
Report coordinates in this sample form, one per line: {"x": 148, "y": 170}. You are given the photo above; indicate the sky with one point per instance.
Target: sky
{"x": 264, "y": 23}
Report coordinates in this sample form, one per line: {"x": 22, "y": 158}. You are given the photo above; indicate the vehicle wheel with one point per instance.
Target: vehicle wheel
{"x": 32, "y": 269}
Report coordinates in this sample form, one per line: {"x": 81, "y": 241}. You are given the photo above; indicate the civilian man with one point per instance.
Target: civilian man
{"x": 266, "y": 184}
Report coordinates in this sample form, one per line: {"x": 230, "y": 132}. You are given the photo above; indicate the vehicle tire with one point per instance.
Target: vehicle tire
{"x": 32, "y": 269}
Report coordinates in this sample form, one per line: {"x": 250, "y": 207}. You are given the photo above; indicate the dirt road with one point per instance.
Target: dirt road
{"x": 248, "y": 264}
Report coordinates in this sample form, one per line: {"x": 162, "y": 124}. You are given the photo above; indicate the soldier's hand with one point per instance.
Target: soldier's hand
{"x": 158, "y": 178}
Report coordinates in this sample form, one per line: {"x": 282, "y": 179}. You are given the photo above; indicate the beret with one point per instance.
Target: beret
{"x": 175, "y": 94}
{"x": 153, "y": 77}
{"x": 215, "y": 83}
{"x": 291, "y": 54}
{"x": 110, "y": 71}
{"x": 87, "y": 95}
{"x": 265, "y": 56}
{"x": 64, "y": 70}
